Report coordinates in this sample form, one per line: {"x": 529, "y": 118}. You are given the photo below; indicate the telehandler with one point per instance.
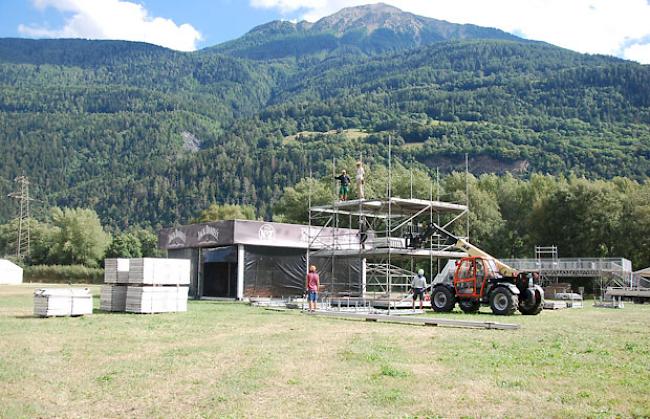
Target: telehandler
{"x": 481, "y": 279}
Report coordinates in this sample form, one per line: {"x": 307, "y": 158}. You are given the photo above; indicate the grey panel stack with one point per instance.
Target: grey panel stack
{"x": 50, "y": 302}
{"x": 116, "y": 271}
{"x": 113, "y": 298}
{"x": 116, "y": 278}
{"x": 152, "y": 299}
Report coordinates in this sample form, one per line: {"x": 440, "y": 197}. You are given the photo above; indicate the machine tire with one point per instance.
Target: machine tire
{"x": 503, "y": 302}
{"x": 443, "y": 299}
{"x": 531, "y": 309}
{"x": 469, "y": 305}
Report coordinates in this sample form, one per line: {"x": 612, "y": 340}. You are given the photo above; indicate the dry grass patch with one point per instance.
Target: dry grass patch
{"x": 238, "y": 361}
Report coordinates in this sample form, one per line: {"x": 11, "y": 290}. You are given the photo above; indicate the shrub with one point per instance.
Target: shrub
{"x": 77, "y": 274}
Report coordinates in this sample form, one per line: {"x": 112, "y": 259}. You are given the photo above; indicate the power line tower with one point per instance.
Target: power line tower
{"x": 22, "y": 244}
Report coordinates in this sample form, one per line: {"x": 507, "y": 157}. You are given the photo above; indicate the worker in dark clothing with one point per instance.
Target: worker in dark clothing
{"x": 344, "y": 189}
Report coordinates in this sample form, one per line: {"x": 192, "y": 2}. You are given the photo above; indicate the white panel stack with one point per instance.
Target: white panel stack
{"x": 156, "y": 299}
{"x": 154, "y": 285}
{"x": 113, "y": 298}
{"x": 62, "y": 302}
{"x": 150, "y": 271}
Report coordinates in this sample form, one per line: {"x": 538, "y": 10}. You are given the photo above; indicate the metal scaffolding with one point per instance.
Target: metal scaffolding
{"x": 379, "y": 234}
{"x": 606, "y": 271}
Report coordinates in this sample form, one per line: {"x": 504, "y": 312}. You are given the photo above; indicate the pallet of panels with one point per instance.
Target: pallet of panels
{"x": 156, "y": 299}
{"x": 116, "y": 271}
{"x": 554, "y": 305}
{"x": 50, "y": 302}
{"x": 152, "y": 271}
{"x": 113, "y": 298}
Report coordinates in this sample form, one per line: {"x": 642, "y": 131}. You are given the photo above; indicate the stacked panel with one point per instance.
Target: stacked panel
{"x": 150, "y": 299}
{"x": 116, "y": 271}
{"x": 50, "y": 302}
{"x": 146, "y": 285}
{"x": 113, "y": 298}
{"x": 150, "y": 271}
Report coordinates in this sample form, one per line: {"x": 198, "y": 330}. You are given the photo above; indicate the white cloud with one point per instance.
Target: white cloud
{"x": 114, "y": 19}
{"x": 592, "y": 26}
{"x": 638, "y": 52}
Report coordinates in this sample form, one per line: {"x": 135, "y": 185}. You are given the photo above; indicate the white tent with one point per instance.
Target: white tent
{"x": 10, "y": 273}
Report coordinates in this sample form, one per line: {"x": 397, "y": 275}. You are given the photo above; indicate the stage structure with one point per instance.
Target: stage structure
{"x": 388, "y": 238}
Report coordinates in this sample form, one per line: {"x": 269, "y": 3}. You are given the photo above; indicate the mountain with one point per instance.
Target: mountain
{"x": 146, "y": 135}
{"x": 366, "y": 29}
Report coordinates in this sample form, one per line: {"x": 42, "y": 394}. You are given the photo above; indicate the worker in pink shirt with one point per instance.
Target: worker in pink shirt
{"x": 312, "y": 284}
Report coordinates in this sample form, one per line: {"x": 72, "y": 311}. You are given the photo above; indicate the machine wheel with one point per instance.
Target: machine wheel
{"x": 442, "y": 299}
{"x": 529, "y": 308}
{"x": 469, "y": 305}
{"x": 503, "y": 302}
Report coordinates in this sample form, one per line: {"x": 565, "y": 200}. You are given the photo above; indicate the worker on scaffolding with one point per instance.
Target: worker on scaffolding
{"x": 312, "y": 284}
{"x": 344, "y": 189}
{"x": 361, "y": 173}
{"x": 418, "y": 285}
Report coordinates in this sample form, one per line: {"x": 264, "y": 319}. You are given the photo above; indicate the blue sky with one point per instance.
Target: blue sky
{"x": 613, "y": 27}
{"x": 217, "y": 20}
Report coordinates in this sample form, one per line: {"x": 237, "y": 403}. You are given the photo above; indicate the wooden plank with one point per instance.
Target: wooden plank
{"x": 429, "y": 321}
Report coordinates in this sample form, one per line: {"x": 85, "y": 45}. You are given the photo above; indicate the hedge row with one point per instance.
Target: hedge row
{"x": 63, "y": 274}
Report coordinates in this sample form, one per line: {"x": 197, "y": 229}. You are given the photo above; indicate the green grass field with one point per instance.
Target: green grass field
{"x": 233, "y": 360}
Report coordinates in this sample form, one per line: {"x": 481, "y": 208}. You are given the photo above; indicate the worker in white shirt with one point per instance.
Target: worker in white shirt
{"x": 418, "y": 285}
{"x": 359, "y": 178}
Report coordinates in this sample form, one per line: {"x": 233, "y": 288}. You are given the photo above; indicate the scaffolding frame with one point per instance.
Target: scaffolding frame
{"x": 376, "y": 232}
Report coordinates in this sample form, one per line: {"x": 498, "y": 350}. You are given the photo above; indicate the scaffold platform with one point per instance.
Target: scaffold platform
{"x": 616, "y": 271}
{"x": 388, "y": 236}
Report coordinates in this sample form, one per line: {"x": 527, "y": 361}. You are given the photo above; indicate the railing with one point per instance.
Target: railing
{"x": 377, "y": 275}
{"x": 639, "y": 281}
{"x": 613, "y": 265}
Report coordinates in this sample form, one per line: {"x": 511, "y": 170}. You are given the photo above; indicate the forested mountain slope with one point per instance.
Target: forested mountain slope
{"x": 148, "y": 135}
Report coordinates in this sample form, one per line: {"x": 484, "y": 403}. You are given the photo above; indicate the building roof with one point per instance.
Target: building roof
{"x": 250, "y": 232}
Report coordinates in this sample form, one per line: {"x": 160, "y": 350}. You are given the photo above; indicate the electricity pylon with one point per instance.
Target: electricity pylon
{"x": 22, "y": 244}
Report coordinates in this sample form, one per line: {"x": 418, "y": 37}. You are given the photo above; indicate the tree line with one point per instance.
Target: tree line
{"x": 510, "y": 216}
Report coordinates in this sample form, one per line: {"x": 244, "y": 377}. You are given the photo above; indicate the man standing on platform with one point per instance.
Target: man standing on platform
{"x": 359, "y": 178}
{"x": 344, "y": 190}
{"x": 312, "y": 285}
{"x": 418, "y": 285}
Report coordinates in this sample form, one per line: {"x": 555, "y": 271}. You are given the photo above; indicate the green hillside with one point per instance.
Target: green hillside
{"x": 147, "y": 135}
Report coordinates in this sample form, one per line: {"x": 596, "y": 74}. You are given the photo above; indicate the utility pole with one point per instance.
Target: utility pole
{"x": 22, "y": 244}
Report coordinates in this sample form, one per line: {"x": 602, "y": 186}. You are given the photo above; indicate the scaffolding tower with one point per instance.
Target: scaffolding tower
{"x": 385, "y": 237}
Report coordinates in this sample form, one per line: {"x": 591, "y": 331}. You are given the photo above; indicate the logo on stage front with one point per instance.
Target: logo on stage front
{"x": 208, "y": 234}
{"x": 176, "y": 239}
{"x": 267, "y": 232}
